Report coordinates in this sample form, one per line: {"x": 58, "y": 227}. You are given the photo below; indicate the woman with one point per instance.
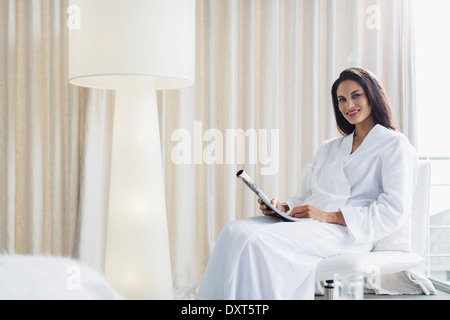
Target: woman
{"x": 360, "y": 188}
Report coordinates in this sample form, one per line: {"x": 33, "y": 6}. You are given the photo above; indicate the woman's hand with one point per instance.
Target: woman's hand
{"x": 309, "y": 212}
{"x": 277, "y": 204}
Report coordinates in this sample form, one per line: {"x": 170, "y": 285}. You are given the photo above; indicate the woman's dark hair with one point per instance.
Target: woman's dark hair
{"x": 376, "y": 96}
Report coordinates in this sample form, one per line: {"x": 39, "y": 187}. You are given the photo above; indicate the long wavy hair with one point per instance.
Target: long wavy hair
{"x": 376, "y": 96}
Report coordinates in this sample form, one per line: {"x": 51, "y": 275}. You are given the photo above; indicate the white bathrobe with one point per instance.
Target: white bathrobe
{"x": 266, "y": 258}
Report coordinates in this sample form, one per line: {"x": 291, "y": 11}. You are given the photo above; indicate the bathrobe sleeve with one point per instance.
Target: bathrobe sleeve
{"x": 392, "y": 209}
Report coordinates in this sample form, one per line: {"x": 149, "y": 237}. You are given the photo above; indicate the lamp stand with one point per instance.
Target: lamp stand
{"x": 137, "y": 248}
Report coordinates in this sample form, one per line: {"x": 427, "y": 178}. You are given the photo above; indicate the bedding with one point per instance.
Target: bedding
{"x": 27, "y": 277}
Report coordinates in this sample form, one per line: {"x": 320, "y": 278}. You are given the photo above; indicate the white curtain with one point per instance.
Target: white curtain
{"x": 264, "y": 68}
{"x": 54, "y": 140}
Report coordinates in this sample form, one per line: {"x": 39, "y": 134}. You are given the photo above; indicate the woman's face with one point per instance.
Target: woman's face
{"x": 353, "y": 102}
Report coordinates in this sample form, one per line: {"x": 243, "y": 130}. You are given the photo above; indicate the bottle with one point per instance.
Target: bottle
{"x": 329, "y": 289}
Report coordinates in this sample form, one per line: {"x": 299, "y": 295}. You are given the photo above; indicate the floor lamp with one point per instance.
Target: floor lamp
{"x": 135, "y": 48}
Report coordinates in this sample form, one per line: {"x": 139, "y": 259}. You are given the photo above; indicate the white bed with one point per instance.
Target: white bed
{"x": 51, "y": 278}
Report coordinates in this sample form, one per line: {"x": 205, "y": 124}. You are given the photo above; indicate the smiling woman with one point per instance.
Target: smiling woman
{"x": 366, "y": 94}
{"x": 356, "y": 110}
{"x": 360, "y": 197}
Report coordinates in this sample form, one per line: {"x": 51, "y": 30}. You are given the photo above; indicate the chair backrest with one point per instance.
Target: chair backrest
{"x": 420, "y": 210}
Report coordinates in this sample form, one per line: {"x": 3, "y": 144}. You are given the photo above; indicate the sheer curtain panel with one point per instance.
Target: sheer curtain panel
{"x": 54, "y": 140}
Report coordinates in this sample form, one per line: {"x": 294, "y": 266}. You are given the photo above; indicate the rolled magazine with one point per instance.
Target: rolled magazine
{"x": 241, "y": 174}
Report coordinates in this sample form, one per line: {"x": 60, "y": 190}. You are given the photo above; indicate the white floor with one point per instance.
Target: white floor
{"x": 440, "y": 295}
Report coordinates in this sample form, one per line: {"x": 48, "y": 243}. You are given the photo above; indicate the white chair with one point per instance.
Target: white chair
{"x": 387, "y": 262}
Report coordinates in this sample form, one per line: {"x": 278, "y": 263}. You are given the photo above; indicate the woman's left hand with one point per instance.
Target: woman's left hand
{"x": 309, "y": 212}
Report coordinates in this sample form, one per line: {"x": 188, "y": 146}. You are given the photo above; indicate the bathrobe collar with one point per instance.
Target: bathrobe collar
{"x": 368, "y": 140}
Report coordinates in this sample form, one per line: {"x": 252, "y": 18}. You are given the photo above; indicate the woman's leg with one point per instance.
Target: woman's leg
{"x": 263, "y": 258}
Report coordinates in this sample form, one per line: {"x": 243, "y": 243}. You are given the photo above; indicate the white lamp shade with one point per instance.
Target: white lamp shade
{"x": 153, "y": 38}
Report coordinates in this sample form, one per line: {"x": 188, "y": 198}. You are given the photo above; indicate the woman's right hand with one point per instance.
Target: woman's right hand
{"x": 267, "y": 211}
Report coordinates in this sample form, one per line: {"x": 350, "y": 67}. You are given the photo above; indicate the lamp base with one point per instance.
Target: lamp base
{"x": 137, "y": 250}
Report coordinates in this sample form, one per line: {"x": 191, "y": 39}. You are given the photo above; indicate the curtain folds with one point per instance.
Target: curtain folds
{"x": 54, "y": 140}
{"x": 261, "y": 102}
{"x": 36, "y": 122}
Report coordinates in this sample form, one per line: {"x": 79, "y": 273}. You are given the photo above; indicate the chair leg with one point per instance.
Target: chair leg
{"x": 329, "y": 289}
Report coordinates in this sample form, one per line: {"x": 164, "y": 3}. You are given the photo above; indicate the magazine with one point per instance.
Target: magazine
{"x": 252, "y": 185}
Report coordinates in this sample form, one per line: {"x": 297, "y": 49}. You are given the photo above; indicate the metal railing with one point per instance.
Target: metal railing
{"x": 438, "y": 254}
